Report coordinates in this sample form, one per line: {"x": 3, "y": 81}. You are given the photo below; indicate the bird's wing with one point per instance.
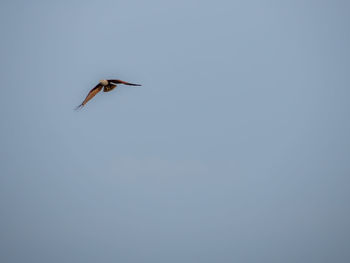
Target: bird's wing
{"x": 118, "y": 81}
{"x": 91, "y": 94}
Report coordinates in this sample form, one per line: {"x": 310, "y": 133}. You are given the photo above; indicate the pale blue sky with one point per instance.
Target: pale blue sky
{"x": 235, "y": 149}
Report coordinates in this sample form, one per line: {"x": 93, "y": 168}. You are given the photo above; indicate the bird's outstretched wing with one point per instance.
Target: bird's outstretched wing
{"x": 118, "y": 81}
{"x": 91, "y": 94}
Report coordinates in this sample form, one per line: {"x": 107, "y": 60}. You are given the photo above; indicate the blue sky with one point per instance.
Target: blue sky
{"x": 235, "y": 149}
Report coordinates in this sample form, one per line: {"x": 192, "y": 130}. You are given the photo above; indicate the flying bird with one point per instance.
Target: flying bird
{"x": 107, "y": 85}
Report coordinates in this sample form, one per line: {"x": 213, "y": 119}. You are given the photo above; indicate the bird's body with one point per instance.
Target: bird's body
{"x": 104, "y": 82}
{"x": 107, "y": 86}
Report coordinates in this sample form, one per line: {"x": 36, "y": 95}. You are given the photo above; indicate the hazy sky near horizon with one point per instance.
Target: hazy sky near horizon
{"x": 235, "y": 149}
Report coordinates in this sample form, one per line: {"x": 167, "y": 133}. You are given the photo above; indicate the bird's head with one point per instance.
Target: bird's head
{"x": 103, "y": 82}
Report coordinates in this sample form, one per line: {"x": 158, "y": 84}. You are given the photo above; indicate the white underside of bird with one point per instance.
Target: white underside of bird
{"x": 103, "y": 82}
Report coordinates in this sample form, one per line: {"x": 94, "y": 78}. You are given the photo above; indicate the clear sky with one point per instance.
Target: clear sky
{"x": 235, "y": 149}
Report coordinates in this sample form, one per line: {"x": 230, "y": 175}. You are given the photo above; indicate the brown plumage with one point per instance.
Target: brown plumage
{"x": 107, "y": 86}
{"x": 118, "y": 81}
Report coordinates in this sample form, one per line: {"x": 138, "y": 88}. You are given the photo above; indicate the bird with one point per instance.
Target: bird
{"x": 107, "y": 85}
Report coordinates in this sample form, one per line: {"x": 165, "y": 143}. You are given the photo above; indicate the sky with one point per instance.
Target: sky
{"x": 235, "y": 148}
